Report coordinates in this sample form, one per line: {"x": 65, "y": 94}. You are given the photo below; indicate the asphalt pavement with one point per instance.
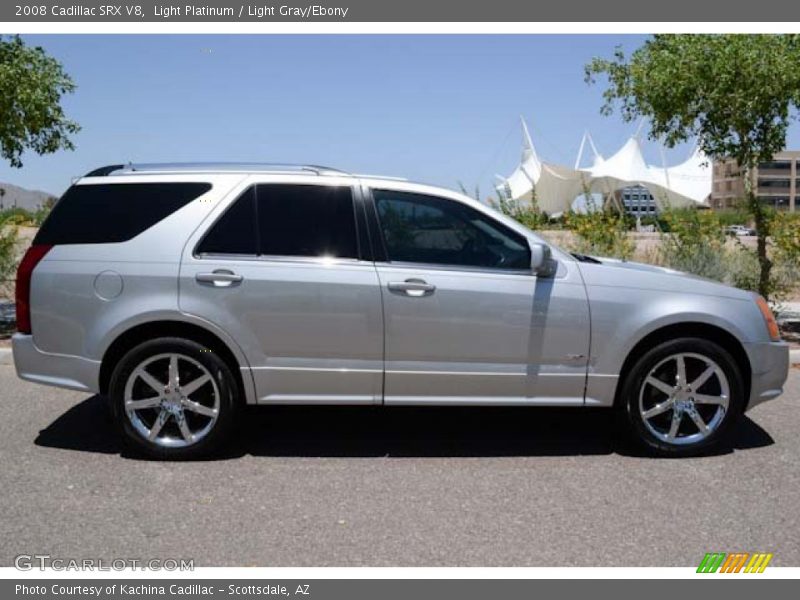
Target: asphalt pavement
{"x": 394, "y": 487}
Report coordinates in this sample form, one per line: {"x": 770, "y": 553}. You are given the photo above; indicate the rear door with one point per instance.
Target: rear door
{"x": 283, "y": 269}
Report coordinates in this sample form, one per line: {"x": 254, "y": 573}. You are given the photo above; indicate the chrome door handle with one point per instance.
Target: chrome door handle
{"x": 219, "y": 278}
{"x": 412, "y": 287}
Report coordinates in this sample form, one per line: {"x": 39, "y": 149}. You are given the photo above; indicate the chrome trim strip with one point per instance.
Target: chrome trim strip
{"x": 321, "y": 369}
{"x": 262, "y": 258}
{"x": 473, "y": 373}
{"x": 411, "y": 266}
{"x": 421, "y": 372}
{"x": 482, "y": 401}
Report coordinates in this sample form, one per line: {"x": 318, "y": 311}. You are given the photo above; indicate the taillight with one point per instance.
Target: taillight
{"x": 23, "y": 294}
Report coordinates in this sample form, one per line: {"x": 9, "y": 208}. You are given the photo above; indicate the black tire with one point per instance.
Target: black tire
{"x": 226, "y": 389}
{"x": 629, "y": 400}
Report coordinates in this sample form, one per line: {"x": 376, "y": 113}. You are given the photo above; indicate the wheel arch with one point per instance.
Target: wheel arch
{"x": 168, "y": 328}
{"x": 673, "y": 331}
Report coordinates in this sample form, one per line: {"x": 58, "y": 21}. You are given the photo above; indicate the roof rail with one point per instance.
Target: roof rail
{"x": 373, "y": 176}
{"x": 214, "y": 166}
{"x": 104, "y": 171}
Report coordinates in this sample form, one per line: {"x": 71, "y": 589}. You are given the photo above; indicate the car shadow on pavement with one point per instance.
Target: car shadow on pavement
{"x": 316, "y": 431}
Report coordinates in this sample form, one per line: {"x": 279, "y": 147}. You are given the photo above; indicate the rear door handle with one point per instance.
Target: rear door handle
{"x": 412, "y": 287}
{"x": 219, "y": 278}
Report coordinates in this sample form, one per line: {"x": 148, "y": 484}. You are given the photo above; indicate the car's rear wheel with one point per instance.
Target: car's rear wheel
{"x": 683, "y": 397}
{"x": 173, "y": 399}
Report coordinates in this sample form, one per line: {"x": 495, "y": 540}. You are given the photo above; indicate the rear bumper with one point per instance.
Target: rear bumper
{"x": 60, "y": 370}
{"x": 770, "y": 368}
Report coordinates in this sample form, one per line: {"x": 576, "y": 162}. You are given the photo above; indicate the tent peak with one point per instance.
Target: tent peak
{"x": 528, "y": 149}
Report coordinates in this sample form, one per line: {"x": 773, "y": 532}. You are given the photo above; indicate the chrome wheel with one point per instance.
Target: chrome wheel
{"x": 172, "y": 400}
{"x": 684, "y": 398}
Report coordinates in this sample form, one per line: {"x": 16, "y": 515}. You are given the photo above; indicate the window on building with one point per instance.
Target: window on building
{"x": 774, "y": 183}
{"x": 778, "y": 202}
{"x": 775, "y": 165}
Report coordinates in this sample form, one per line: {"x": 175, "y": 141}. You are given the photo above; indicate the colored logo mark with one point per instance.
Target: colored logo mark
{"x": 736, "y": 562}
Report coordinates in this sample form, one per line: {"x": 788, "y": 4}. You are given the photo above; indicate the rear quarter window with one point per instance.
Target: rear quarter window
{"x": 114, "y": 212}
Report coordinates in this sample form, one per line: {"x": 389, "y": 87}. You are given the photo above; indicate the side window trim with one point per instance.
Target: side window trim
{"x": 382, "y": 255}
{"x": 460, "y": 268}
{"x": 216, "y": 257}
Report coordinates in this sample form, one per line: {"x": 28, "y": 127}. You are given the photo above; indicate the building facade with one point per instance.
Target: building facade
{"x": 776, "y": 183}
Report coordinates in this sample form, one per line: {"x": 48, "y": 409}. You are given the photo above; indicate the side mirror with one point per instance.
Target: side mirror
{"x": 541, "y": 264}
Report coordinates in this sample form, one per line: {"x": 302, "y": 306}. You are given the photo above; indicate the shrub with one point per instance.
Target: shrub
{"x": 694, "y": 243}
{"x": 733, "y": 216}
{"x": 785, "y": 254}
{"x": 601, "y": 232}
{"x": 16, "y": 216}
{"x": 8, "y": 255}
{"x": 39, "y": 215}
{"x": 528, "y": 214}
{"x": 786, "y": 237}
{"x": 741, "y": 267}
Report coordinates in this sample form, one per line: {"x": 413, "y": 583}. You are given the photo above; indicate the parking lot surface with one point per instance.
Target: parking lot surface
{"x": 394, "y": 487}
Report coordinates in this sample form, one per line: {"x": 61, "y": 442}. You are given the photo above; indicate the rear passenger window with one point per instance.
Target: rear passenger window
{"x": 286, "y": 220}
{"x": 114, "y": 212}
{"x": 235, "y": 231}
{"x": 306, "y": 220}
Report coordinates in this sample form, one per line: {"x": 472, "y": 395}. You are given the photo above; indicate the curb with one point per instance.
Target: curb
{"x": 794, "y": 356}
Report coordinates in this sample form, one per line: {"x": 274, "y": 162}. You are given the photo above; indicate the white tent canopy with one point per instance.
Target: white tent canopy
{"x": 557, "y": 186}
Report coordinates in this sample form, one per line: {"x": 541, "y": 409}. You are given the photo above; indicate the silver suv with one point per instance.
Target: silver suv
{"x": 181, "y": 292}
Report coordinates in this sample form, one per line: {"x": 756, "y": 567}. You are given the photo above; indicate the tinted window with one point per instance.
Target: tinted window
{"x": 235, "y": 231}
{"x": 114, "y": 212}
{"x": 306, "y": 220}
{"x": 427, "y": 229}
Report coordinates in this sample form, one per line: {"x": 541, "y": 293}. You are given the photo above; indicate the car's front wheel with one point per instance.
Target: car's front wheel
{"x": 173, "y": 399}
{"x": 683, "y": 397}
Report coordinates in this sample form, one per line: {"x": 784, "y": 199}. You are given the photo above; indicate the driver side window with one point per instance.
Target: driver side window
{"x": 418, "y": 228}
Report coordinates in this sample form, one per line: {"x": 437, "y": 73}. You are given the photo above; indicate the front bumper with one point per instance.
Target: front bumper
{"x": 60, "y": 370}
{"x": 769, "y": 363}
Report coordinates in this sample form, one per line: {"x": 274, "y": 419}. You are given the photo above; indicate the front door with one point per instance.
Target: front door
{"x": 466, "y": 321}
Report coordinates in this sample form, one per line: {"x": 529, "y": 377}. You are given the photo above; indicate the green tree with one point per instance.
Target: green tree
{"x": 31, "y": 87}
{"x": 735, "y": 94}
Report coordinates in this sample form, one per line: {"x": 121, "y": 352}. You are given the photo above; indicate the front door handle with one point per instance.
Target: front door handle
{"x": 219, "y": 278}
{"x": 412, "y": 287}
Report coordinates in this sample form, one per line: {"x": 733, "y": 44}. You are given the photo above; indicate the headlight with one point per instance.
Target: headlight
{"x": 769, "y": 319}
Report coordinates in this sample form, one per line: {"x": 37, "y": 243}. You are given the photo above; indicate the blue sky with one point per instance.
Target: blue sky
{"x": 439, "y": 109}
